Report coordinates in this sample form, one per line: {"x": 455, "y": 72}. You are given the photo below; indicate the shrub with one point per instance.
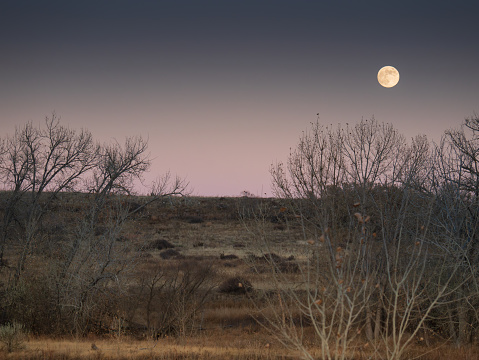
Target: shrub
{"x": 228, "y": 257}
{"x": 266, "y": 258}
{"x": 12, "y": 336}
{"x": 236, "y": 285}
{"x": 272, "y": 262}
{"x": 160, "y": 244}
{"x": 169, "y": 254}
{"x": 176, "y": 294}
{"x": 194, "y": 220}
{"x": 290, "y": 267}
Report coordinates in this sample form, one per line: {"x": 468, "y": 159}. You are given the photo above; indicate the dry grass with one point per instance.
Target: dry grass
{"x": 219, "y": 344}
{"x": 233, "y": 346}
{"x": 230, "y": 331}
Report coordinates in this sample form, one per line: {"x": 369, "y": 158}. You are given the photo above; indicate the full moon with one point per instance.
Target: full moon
{"x": 388, "y": 76}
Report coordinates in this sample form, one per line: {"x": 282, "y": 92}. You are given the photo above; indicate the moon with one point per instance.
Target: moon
{"x": 388, "y": 76}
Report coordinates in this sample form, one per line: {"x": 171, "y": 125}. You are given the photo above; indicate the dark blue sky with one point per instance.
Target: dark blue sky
{"x": 224, "y": 88}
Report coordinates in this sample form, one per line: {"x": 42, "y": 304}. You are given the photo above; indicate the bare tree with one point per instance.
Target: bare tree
{"x": 372, "y": 151}
{"x": 95, "y": 259}
{"x": 37, "y": 164}
{"x": 328, "y": 293}
{"x": 173, "y": 295}
{"x": 315, "y": 164}
{"x": 456, "y": 223}
{"x": 378, "y": 271}
{"x": 466, "y": 141}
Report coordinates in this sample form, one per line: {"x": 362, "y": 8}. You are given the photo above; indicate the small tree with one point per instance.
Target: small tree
{"x": 13, "y": 336}
{"x": 172, "y": 297}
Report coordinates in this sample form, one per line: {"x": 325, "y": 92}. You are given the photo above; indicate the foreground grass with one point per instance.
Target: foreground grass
{"x": 228, "y": 345}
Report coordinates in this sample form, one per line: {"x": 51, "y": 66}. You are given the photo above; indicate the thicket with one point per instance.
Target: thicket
{"x": 64, "y": 263}
{"x": 390, "y": 233}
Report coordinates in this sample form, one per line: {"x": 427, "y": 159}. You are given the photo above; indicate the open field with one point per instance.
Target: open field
{"x": 199, "y": 230}
{"x": 169, "y": 239}
{"x": 234, "y": 345}
{"x": 221, "y": 344}
{"x": 229, "y": 344}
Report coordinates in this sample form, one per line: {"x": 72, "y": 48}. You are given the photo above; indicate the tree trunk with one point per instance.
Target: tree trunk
{"x": 463, "y": 328}
{"x": 452, "y": 327}
{"x": 369, "y": 324}
{"x": 377, "y": 323}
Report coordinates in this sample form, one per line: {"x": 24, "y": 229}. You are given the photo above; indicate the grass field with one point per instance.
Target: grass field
{"x": 201, "y": 231}
{"x": 236, "y": 346}
{"x": 232, "y": 344}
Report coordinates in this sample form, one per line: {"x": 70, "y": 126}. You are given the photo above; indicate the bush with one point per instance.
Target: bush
{"x": 195, "y": 220}
{"x": 12, "y": 336}
{"x": 235, "y": 285}
{"x": 272, "y": 262}
{"x": 228, "y": 257}
{"x": 170, "y": 254}
{"x": 160, "y": 244}
{"x": 288, "y": 267}
{"x": 266, "y": 258}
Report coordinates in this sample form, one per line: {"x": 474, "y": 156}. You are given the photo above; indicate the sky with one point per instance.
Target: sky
{"x": 223, "y": 89}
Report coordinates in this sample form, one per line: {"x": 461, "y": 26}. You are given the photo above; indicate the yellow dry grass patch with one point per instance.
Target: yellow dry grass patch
{"x": 221, "y": 345}
{"x": 244, "y": 347}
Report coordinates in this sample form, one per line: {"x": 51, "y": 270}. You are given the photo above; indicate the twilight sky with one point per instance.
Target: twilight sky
{"x": 222, "y": 89}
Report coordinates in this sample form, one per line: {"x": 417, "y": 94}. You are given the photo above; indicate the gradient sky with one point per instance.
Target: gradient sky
{"x": 223, "y": 89}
